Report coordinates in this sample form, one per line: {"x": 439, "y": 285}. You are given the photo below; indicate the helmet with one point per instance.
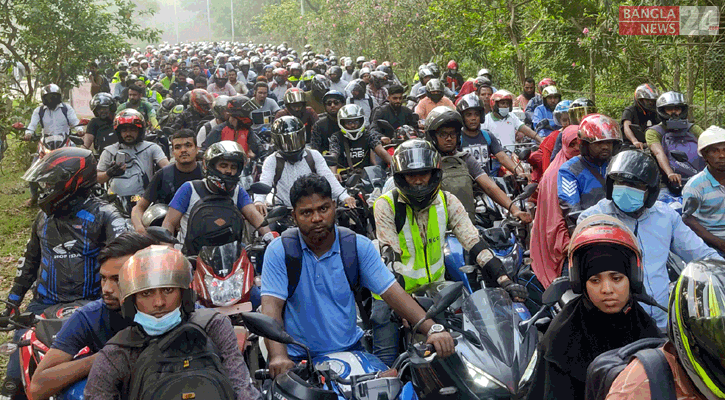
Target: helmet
{"x": 220, "y": 107}
{"x": 156, "y": 266}
{"x": 185, "y": 99}
{"x": 379, "y": 79}
{"x": 123, "y": 65}
{"x": 288, "y": 135}
{"x": 645, "y": 91}
{"x": 320, "y": 85}
{"x": 434, "y": 85}
{"x": 335, "y": 70}
{"x": 484, "y": 72}
{"x": 467, "y": 103}
{"x": 670, "y": 99}
{"x": 308, "y": 75}
{"x": 561, "y": 108}
{"x": 481, "y": 81}
{"x": 355, "y": 85}
{"x": 599, "y": 127}
{"x": 425, "y": 73}
{"x": 129, "y": 116}
{"x": 634, "y": 166}
{"x": 546, "y": 82}
{"x": 415, "y": 156}
{"x": 294, "y": 95}
{"x": 696, "y": 325}
{"x": 439, "y": 117}
{"x": 351, "y": 112}
{"x": 103, "y": 100}
{"x": 600, "y": 230}
{"x": 712, "y": 135}
{"x": 50, "y": 94}
{"x": 433, "y": 67}
{"x": 580, "y": 108}
{"x": 168, "y": 104}
{"x": 333, "y": 94}
{"x": 154, "y": 215}
{"x": 360, "y": 59}
{"x": 60, "y": 174}
{"x": 550, "y": 91}
{"x": 224, "y": 150}
{"x": 364, "y": 71}
{"x": 498, "y": 96}
{"x": 240, "y": 107}
{"x": 201, "y": 101}
{"x": 220, "y": 73}
{"x": 452, "y": 65}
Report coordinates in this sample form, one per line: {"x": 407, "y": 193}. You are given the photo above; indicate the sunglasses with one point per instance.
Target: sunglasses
{"x": 333, "y": 103}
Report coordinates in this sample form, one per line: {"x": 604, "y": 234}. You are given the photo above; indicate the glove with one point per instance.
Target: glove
{"x": 115, "y": 170}
{"x": 515, "y": 290}
{"x": 544, "y": 123}
{"x": 8, "y": 310}
{"x": 269, "y": 237}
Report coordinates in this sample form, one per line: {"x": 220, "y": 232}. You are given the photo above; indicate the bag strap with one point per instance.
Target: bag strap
{"x": 293, "y": 259}
{"x": 167, "y": 180}
{"x": 310, "y": 161}
{"x": 659, "y": 373}
{"x": 594, "y": 172}
{"x": 279, "y": 167}
{"x": 346, "y": 144}
{"x": 399, "y": 212}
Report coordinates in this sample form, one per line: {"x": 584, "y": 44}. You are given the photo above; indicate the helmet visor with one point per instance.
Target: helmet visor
{"x": 576, "y": 114}
{"x": 290, "y": 142}
{"x": 415, "y": 160}
{"x": 634, "y": 166}
{"x": 42, "y": 173}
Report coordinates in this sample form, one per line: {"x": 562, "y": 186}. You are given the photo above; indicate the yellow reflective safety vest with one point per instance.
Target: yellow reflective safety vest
{"x": 422, "y": 263}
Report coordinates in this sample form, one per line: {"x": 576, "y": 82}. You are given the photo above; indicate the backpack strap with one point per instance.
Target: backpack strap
{"x": 346, "y": 146}
{"x": 202, "y": 317}
{"x": 486, "y": 136}
{"x": 659, "y": 373}
{"x": 130, "y": 337}
{"x": 399, "y": 212}
{"x": 310, "y": 161}
{"x": 594, "y": 172}
{"x": 293, "y": 259}
{"x": 278, "y": 168}
{"x": 167, "y": 180}
{"x": 370, "y": 101}
{"x": 41, "y": 113}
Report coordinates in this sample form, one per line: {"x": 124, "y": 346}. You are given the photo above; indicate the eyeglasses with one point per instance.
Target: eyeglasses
{"x": 333, "y": 103}
{"x": 450, "y": 135}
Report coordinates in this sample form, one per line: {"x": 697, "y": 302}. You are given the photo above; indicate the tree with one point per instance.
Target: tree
{"x": 55, "y": 39}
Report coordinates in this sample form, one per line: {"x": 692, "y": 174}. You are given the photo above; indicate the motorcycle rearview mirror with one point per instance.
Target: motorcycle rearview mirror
{"x": 680, "y": 156}
{"x": 447, "y": 296}
{"x": 278, "y": 212}
{"x": 528, "y": 191}
{"x": 649, "y": 300}
{"x": 553, "y": 293}
{"x": 353, "y": 180}
{"x": 259, "y": 188}
{"x": 266, "y": 326}
{"x": 691, "y": 205}
{"x": 523, "y": 155}
{"x": 386, "y": 125}
{"x": 161, "y": 234}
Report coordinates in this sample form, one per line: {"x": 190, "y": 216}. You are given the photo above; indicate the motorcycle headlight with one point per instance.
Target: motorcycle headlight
{"x": 481, "y": 378}
{"x": 529, "y": 371}
{"x": 225, "y": 292}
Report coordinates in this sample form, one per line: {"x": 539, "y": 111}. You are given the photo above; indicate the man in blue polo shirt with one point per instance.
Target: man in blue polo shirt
{"x": 90, "y": 326}
{"x": 321, "y": 313}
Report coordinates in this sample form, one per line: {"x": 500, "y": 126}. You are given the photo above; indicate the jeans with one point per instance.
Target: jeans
{"x": 13, "y": 371}
{"x": 385, "y": 333}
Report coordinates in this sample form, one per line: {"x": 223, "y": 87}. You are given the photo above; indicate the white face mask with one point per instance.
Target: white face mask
{"x": 504, "y": 112}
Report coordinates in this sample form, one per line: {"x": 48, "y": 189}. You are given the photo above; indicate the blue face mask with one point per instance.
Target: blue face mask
{"x": 158, "y": 326}
{"x": 628, "y": 199}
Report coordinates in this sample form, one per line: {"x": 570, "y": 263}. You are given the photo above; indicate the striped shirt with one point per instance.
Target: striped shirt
{"x": 711, "y": 213}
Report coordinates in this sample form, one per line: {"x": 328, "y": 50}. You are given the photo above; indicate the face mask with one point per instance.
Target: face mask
{"x": 504, "y": 112}
{"x": 676, "y": 124}
{"x": 628, "y": 199}
{"x": 435, "y": 97}
{"x": 158, "y": 326}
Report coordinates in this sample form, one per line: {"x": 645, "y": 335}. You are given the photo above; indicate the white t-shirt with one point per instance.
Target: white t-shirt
{"x": 504, "y": 129}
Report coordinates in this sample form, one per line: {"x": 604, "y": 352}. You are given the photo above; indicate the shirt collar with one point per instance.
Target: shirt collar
{"x": 335, "y": 249}
{"x": 711, "y": 178}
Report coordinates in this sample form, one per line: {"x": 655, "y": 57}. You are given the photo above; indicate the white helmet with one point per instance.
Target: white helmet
{"x": 712, "y": 135}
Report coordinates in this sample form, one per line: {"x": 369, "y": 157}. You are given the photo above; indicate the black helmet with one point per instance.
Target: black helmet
{"x": 101, "y": 100}
{"x": 580, "y": 108}
{"x": 387, "y": 69}
{"x": 696, "y": 325}
{"x": 468, "y": 103}
{"x": 61, "y": 174}
{"x": 416, "y": 156}
{"x": 379, "y": 79}
{"x": 439, "y": 117}
{"x": 288, "y": 135}
{"x": 185, "y": 99}
{"x": 335, "y": 70}
{"x": 241, "y": 107}
{"x": 224, "y": 150}
{"x": 645, "y": 92}
{"x": 51, "y": 96}
{"x": 671, "y": 99}
{"x": 434, "y": 85}
{"x": 168, "y": 104}
{"x": 334, "y": 94}
{"x": 634, "y": 166}
{"x": 356, "y": 85}
{"x": 320, "y": 85}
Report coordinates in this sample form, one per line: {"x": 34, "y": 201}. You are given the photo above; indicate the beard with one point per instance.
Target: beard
{"x": 318, "y": 233}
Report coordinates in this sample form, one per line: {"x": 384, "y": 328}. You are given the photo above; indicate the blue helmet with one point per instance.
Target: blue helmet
{"x": 561, "y": 108}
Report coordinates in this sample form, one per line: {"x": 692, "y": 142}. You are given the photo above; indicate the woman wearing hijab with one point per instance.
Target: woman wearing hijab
{"x": 605, "y": 267}
{"x": 549, "y": 236}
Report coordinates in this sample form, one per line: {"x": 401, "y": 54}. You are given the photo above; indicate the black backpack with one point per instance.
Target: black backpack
{"x": 182, "y": 364}
{"x": 213, "y": 221}
{"x": 602, "y": 372}
{"x": 41, "y": 114}
{"x": 348, "y": 253}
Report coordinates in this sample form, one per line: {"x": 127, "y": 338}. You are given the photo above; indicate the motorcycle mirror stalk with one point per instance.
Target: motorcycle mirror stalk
{"x": 551, "y": 295}
{"x": 266, "y": 326}
{"x": 448, "y": 296}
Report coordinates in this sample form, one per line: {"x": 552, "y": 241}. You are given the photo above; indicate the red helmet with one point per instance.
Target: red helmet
{"x": 452, "y": 64}
{"x": 599, "y": 127}
{"x": 201, "y": 100}
{"x": 603, "y": 229}
{"x": 129, "y": 116}
{"x": 501, "y": 95}
{"x": 546, "y": 82}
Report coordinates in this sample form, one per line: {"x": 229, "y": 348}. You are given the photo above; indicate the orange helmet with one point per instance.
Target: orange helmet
{"x": 501, "y": 95}
{"x": 602, "y": 229}
{"x": 202, "y": 101}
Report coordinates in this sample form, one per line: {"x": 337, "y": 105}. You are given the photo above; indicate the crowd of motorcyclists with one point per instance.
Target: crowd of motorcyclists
{"x": 150, "y": 214}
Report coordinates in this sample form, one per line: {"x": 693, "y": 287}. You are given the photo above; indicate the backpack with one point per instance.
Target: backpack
{"x": 134, "y": 180}
{"x": 281, "y": 163}
{"x": 168, "y": 189}
{"x": 457, "y": 181}
{"x": 214, "y": 220}
{"x": 602, "y": 372}
{"x": 685, "y": 141}
{"x": 41, "y": 113}
{"x": 348, "y": 253}
{"x": 105, "y": 86}
{"x": 182, "y": 364}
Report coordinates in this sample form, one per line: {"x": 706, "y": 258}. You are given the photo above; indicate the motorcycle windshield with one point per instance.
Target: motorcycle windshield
{"x": 54, "y": 142}
{"x": 221, "y": 258}
{"x": 490, "y": 314}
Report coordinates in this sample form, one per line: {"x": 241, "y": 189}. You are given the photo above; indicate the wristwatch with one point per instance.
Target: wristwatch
{"x": 436, "y": 328}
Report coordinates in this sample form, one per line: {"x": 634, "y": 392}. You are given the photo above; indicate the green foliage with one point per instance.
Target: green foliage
{"x": 55, "y": 39}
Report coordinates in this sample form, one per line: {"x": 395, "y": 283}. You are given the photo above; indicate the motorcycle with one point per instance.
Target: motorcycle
{"x": 365, "y": 186}
{"x": 336, "y": 376}
{"x": 36, "y": 342}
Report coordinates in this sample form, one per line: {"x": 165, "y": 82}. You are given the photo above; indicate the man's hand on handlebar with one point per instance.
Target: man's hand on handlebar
{"x": 350, "y": 202}
{"x": 523, "y": 216}
{"x": 443, "y": 343}
{"x": 279, "y": 365}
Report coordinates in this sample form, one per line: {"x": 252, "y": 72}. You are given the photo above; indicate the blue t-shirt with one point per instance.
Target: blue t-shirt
{"x": 183, "y": 197}
{"x": 91, "y": 325}
{"x": 322, "y": 313}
